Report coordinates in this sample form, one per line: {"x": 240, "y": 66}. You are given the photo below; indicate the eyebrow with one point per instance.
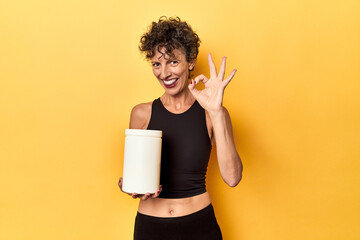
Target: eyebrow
{"x": 174, "y": 58}
{"x": 168, "y": 60}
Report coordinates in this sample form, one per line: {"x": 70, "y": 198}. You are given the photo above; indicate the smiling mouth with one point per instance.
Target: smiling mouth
{"x": 171, "y": 82}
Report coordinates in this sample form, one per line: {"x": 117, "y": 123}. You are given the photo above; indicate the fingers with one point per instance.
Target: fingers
{"x": 202, "y": 78}
{"x": 194, "y": 82}
{"x": 193, "y": 89}
{"x": 149, "y": 195}
{"x": 212, "y": 67}
{"x": 134, "y": 195}
{"x": 141, "y": 196}
{"x": 120, "y": 183}
{"x": 222, "y": 68}
{"x": 145, "y": 196}
{"x": 228, "y": 79}
{"x": 157, "y": 193}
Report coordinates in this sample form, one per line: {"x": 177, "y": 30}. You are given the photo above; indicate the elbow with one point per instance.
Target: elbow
{"x": 234, "y": 182}
{"x": 233, "y": 178}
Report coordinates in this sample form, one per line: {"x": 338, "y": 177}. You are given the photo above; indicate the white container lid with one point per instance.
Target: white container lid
{"x": 143, "y": 132}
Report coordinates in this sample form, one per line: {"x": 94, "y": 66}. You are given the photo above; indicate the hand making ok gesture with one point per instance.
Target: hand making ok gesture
{"x": 211, "y": 97}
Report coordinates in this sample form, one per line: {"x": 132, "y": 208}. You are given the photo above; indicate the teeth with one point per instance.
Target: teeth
{"x": 171, "y": 81}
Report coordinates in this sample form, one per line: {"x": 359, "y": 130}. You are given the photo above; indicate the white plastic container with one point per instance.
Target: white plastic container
{"x": 142, "y": 161}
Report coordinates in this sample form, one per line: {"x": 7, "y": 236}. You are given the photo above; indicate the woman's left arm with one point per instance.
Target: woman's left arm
{"x": 211, "y": 98}
{"x": 230, "y": 164}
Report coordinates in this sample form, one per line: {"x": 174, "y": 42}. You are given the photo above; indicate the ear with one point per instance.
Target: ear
{"x": 191, "y": 65}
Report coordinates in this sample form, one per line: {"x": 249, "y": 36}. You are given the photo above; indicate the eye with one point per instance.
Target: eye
{"x": 174, "y": 62}
{"x": 155, "y": 64}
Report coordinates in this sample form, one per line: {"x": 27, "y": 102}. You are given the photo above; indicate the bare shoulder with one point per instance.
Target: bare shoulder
{"x": 140, "y": 116}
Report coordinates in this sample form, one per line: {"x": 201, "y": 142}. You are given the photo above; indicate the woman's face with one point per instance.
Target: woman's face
{"x": 172, "y": 72}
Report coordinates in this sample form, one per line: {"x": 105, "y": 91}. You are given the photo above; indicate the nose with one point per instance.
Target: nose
{"x": 165, "y": 72}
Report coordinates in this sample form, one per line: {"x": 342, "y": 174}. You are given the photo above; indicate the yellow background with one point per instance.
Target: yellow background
{"x": 70, "y": 73}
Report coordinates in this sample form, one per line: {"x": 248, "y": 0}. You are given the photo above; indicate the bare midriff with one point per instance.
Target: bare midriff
{"x": 166, "y": 207}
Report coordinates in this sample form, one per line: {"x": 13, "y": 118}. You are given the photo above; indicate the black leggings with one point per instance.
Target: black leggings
{"x": 198, "y": 225}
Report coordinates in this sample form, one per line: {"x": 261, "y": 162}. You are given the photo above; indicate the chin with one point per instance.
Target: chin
{"x": 172, "y": 92}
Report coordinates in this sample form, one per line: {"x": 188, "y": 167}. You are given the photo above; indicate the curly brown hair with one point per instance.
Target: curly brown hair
{"x": 171, "y": 33}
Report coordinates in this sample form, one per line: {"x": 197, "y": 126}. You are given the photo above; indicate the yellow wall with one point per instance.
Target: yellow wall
{"x": 70, "y": 72}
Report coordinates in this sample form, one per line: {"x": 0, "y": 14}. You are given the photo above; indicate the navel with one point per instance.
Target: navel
{"x": 171, "y": 212}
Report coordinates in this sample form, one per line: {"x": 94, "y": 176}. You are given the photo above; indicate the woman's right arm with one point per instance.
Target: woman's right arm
{"x": 139, "y": 119}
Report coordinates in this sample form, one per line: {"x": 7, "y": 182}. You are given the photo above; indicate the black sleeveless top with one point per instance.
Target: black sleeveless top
{"x": 186, "y": 148}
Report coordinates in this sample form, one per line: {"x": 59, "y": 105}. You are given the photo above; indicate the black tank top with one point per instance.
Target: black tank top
{"x": 186, "y": 148}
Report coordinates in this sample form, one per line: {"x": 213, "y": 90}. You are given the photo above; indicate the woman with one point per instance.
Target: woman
{"x": 191, "y": 121}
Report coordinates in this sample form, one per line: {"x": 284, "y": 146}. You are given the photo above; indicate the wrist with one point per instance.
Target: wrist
{"x": 214, "y": 114}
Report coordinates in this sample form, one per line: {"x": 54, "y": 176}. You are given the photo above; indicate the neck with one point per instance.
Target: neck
{"x": 184, "y": 98}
